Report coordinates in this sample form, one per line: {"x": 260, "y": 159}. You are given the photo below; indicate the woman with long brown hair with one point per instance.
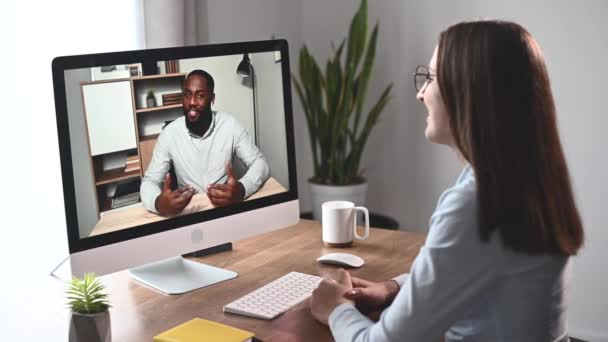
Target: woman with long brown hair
{"x": 495, "y": 262}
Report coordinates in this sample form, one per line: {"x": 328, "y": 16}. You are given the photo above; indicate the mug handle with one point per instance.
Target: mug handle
{"x": 366, "y": 234}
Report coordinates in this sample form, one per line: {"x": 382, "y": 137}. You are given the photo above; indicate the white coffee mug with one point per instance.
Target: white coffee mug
{"x": 340, "y": 224}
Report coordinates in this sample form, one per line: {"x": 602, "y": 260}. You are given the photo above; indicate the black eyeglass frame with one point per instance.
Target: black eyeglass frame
{"x": 427, "y": 75}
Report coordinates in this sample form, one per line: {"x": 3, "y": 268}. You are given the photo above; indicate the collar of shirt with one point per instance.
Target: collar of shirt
{"x": 209, "y": 131}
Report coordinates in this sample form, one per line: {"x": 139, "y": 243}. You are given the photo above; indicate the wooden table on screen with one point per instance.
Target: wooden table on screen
{"x": 139, "y": 312}
{"x": 123, "y": 218}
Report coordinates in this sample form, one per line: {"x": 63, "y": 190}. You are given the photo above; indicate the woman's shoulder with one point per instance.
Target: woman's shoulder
{"x": 462, "y": 195}
{"x": 455, "y": 218}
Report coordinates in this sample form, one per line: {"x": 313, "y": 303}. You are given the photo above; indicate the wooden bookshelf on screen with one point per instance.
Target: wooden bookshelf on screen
{"x": 122, "y": 132}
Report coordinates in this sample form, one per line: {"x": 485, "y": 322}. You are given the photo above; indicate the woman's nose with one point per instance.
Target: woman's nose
{"x": 420, "y": 95}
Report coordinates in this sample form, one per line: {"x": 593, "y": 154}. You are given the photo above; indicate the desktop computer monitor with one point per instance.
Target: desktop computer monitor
{"x": 169, "y": 151}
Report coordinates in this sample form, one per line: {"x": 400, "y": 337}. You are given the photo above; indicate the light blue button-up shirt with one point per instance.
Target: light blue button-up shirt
{"x": 200, "y": 161}
{"x": 465, "y": 289}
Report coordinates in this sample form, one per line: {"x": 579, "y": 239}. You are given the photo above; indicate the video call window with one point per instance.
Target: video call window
{"x": 174, "y": 137}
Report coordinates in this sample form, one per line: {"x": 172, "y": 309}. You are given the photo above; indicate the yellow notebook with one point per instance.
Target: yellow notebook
{"x": 198, "y": 329}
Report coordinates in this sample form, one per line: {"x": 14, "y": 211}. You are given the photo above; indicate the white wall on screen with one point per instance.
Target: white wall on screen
{"x": 271, "y": 114}
{"x": 86, "y": 208}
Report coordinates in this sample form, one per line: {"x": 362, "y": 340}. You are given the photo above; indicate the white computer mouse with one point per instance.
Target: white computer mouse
{"x": 341, "y": 259}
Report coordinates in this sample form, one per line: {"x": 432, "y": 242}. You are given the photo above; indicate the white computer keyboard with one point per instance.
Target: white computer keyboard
{"x": 276, "y": 297}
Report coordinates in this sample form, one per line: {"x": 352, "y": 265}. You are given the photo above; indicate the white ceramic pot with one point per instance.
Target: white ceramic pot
{"x": 90, "y": 328}
{"x": 322, "y": 193}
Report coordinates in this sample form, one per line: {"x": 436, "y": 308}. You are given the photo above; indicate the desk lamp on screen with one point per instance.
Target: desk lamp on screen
{"x": 167, "y": 151}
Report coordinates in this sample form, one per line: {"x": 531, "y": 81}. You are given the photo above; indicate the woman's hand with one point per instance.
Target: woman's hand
{"x": 370, "y": 297}
{"x": 329, "y": 295}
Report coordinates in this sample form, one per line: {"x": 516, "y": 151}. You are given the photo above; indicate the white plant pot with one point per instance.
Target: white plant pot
{"x": 90, "y": 328}
{"x": 322, "y": 193}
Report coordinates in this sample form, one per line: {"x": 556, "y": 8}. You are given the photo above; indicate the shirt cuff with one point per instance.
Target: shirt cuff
{"x": 337, "y": 311}
{"x": 346, "y": 322}
{"x": 248, "y": 185}
{"x": 149, "y": 199}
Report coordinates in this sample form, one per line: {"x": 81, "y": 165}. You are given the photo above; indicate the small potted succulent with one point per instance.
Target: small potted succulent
{"x": 88, "y": 301}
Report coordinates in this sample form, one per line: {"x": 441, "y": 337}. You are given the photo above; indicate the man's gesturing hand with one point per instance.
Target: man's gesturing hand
{"x": 225, "y": 194}
{"x": 172, "y": 202}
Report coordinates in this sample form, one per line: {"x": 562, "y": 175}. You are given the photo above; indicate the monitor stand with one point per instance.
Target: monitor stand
{"x": 179, "y": 275}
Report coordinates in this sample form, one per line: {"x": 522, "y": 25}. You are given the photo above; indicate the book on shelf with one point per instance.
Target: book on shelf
{"x": 132, "y": 167}
{"x": 132, "y": 163}
{"x": 171, "y": 67}
{"x": 172, "y": 98}
{"x": 126, "y": 193}
{"x": 198, "y": 329}
{"x": 127, "y": 187}
{"x": 171, "y": 102}
{"x": 172, "y": 95}
{"x": 134, "y": 158}
{"x": 118, "y": 202}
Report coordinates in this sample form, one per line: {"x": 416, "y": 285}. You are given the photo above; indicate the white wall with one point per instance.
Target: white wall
{"x": 164, "y": 23}
{"x": 34, "y": 238}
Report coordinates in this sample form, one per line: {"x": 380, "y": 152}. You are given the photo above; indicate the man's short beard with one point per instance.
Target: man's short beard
{"x": 200, "y": 126}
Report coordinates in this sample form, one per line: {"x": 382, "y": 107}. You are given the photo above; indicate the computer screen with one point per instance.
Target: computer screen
{"x": 153, "y": 141}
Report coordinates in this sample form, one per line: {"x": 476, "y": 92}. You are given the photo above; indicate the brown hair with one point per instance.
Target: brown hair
{"x": 493, "y": 79}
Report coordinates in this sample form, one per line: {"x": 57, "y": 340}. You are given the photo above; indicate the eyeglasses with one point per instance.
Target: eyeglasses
{"x": 422, "y": 76}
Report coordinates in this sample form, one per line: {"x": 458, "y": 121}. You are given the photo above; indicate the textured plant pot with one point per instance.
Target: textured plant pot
{"x": 320, "y": 194}
{"x": 90, "y": 328}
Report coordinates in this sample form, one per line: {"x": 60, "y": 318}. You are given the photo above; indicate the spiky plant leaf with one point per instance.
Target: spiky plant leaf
{"x": 86, "y": 295}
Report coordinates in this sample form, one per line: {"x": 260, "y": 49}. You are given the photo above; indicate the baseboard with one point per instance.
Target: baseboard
{"x": 586, "y": 336}
{"x": 573, "y": 339}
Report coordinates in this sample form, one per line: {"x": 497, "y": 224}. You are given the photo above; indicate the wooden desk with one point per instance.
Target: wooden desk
{"x": 123, "y": 218}
{"x": 139, "y": 313}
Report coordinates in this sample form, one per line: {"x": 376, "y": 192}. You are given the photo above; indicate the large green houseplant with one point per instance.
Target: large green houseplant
{"x": 333, "y": 101}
